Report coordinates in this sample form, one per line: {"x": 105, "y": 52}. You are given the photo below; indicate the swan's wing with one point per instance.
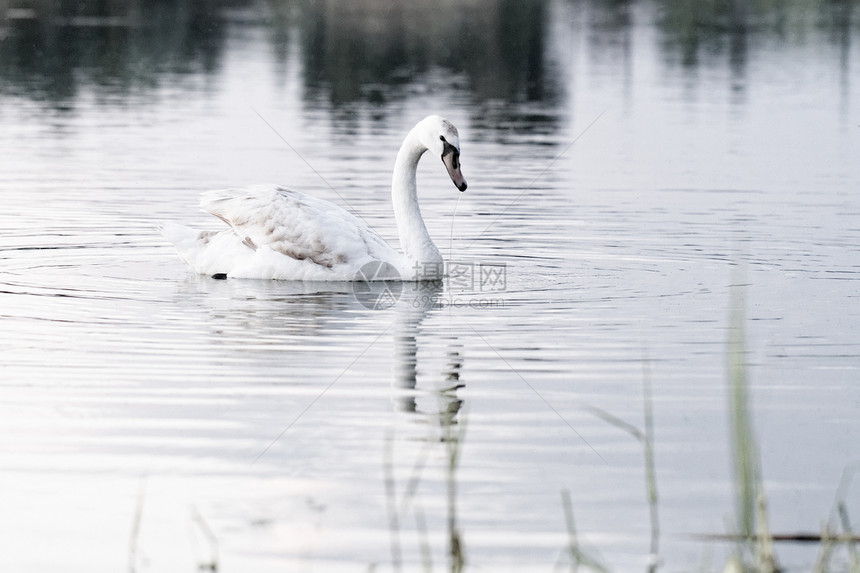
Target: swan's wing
{"x": 295, "y": 225}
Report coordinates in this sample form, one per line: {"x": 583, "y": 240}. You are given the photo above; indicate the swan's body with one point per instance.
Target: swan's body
{"x": 277, "y": 233}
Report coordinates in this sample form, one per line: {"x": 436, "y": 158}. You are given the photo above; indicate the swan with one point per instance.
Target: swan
{"x": 278, "y": 233}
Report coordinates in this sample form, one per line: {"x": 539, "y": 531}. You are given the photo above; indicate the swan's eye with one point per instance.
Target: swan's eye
{"x": 442, "y": 138}
{"x": 447, "y": 149}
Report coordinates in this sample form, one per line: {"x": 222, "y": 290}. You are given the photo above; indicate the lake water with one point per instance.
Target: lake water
{"x": 630, "y": 167}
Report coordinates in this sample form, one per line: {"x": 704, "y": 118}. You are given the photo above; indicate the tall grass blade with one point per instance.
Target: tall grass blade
{"x": 578, "y": 557}
{"x": 849, "y": 532}
{"x": 133, "y": 549}
{"x": 650, "y": 470}
{"x": 741, "y": 431}
{"x": 453, "y": 442}
{"x": 391, "y": 503}
{"x": 755, "y": 551}
{"x": 210, "y": 564}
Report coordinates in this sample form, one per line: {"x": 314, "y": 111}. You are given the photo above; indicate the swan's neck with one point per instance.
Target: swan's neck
{"x": 414, "y": 238}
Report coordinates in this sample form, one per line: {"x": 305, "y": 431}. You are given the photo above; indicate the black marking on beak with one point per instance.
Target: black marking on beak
{"x": 448, "y": 148}
{"x": 451, "y": 159}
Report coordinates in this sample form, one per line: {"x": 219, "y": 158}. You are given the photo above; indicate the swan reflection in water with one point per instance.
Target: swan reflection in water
{"x": 418, "y": 300}
{"x": 292, "y": 313}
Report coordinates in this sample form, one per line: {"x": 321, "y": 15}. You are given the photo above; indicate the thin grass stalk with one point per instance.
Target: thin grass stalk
{"x": 650, "y": 470}
{"x": 212, "y": 563}
{"x": 756, "y": 546}
{"x": 646, "y": 438}
{"x": 578, "y": 557}
{"x": 453, "y": 442}
{"x": 135, "y": 528}
{"x": 827, "y": 545}
{"x": 572, "y": 543}
{"x": 741, "y": 432}
{"x": 854, "y": 564}
{"x": 391, "y": 504}
{"x": 423, "y": 539}
{"x": 765, "y": 557}
{"x": 411, "y": 488}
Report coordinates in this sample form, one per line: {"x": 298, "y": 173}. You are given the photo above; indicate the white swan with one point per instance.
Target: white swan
{"x": 277, "y": 233}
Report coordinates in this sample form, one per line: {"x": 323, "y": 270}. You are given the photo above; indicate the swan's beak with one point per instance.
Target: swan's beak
{"x": 451, "y": 159}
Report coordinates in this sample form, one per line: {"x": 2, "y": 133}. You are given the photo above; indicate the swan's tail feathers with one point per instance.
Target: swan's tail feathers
{"x": 186, "y": 240}
{"x": 181, "y": 236}
{"x": 207, "y": 252}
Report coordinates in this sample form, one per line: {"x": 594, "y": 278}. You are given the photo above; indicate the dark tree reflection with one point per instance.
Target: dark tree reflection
{"x": 50, "y": 50}
{"x": 499, "y": 58}
{"x": 375, "y": 51}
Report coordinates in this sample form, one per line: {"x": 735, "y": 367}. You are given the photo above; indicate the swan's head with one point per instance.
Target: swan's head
{"x": 441, "y": 138}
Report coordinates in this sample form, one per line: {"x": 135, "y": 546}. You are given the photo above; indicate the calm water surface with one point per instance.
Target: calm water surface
{"x": 626, "y": 167}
